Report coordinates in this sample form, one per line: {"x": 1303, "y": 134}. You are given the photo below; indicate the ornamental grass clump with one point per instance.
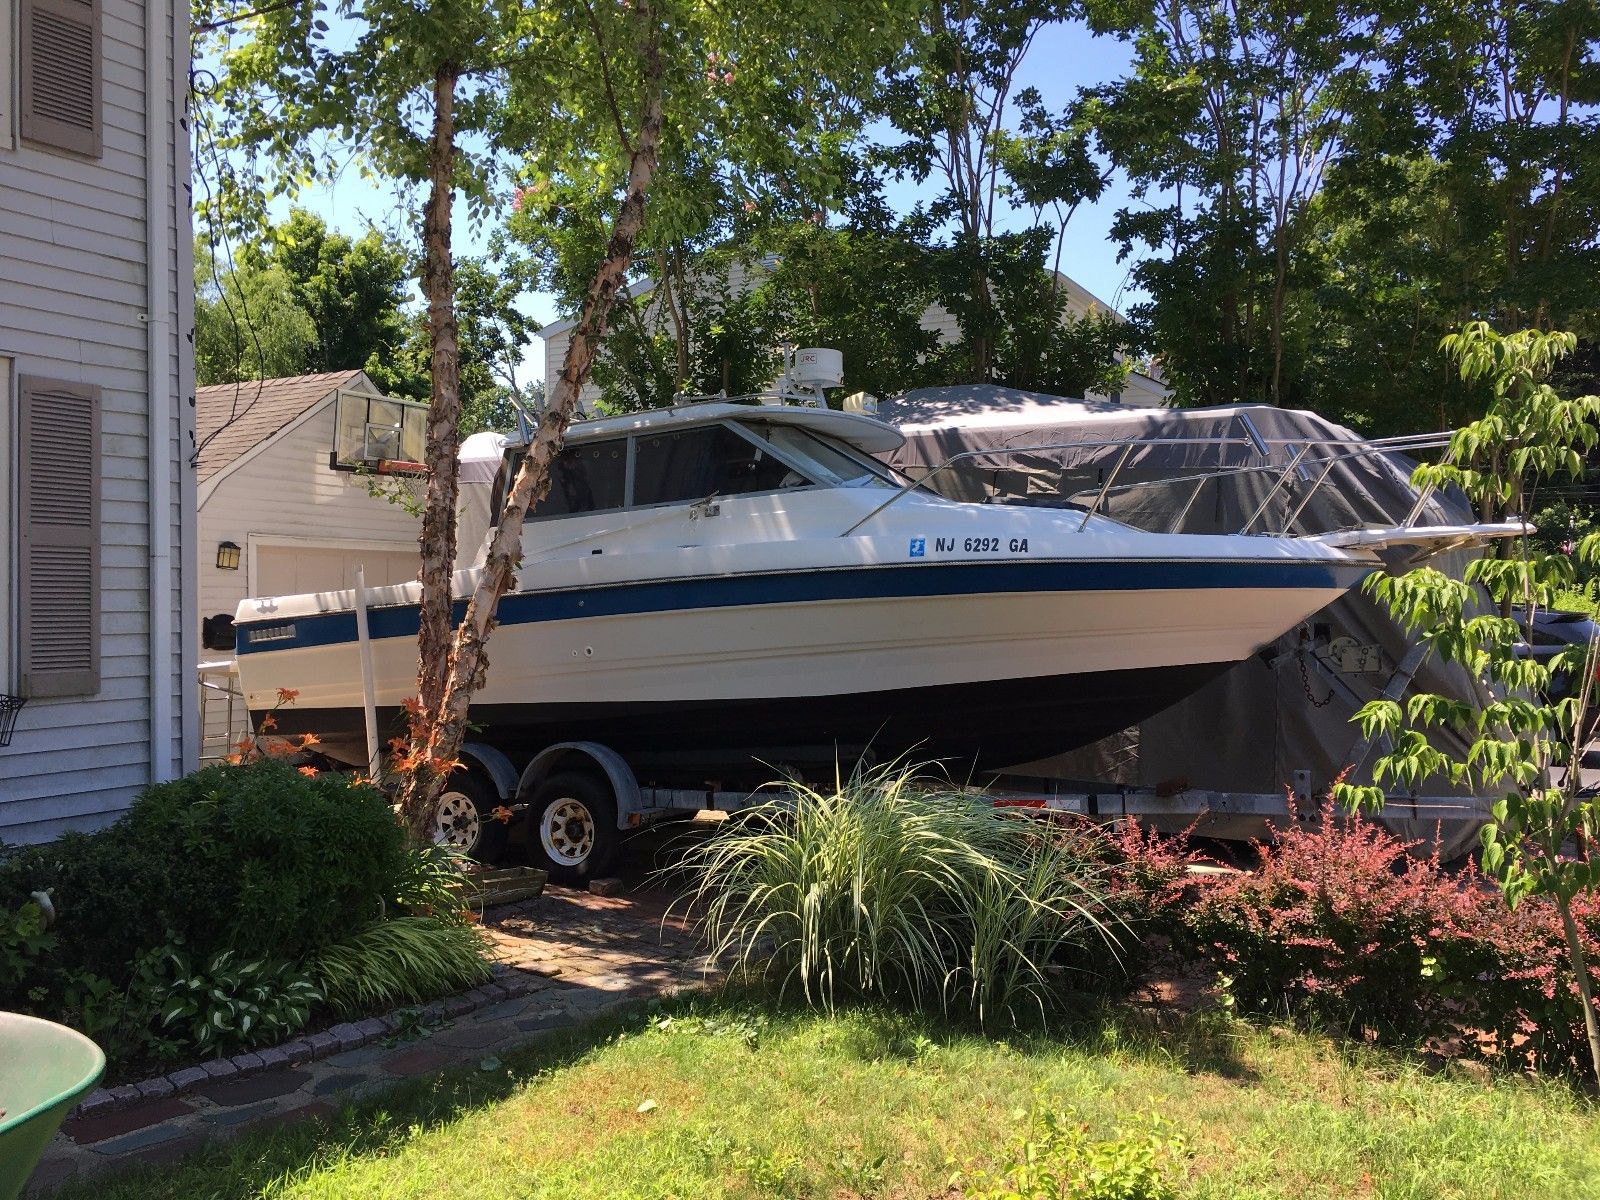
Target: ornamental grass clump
{"x": 886, "y": 887}
{"x": 398, "y": 961}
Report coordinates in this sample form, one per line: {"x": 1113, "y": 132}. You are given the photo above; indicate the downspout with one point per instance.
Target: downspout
{"x": 158, "y": 330}
{"x": 182, "y": 45}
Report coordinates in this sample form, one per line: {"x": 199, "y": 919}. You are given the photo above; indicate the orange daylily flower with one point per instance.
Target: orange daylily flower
{"x": 288, "y": 695}
{"x": 309, "y": 772}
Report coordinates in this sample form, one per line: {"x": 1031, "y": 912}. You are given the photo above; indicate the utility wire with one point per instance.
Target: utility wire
{"x": 223, "y": 22}
{"x": 206, "y": 144}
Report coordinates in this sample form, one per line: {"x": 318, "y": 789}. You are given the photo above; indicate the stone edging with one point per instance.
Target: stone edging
{"x": 507, "y": 984}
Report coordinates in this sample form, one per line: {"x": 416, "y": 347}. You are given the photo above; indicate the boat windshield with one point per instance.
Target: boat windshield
{"x": 825, "y": 460}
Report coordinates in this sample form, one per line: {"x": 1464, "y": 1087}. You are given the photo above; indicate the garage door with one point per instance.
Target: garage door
{"x": 292, "y": 570}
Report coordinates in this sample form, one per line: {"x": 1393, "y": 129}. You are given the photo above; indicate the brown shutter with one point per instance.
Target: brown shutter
{"x": 60, "y": 77}
{"x": 59, "y": 449}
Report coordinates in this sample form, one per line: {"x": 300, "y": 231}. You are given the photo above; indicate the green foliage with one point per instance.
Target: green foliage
{"x": 859, "y": 290}
{"x": 255, "y": 856}
{"x": 247, "y": 325}
{"x": 1326, "y": 190}
{"x": 298, "y": 298}
{"x": 400, "y": 960}
{"x": 493, "y": 333}
{"x": 1522, "y": 737}
{"x": 24, "y": 941}
{"x": 224, "y": 909}
{"x": 885, "y": 888}
{"x": 1058, "y": 1157}
{"x": 227, "y": 1002}
{"x": 1561, "y": 525}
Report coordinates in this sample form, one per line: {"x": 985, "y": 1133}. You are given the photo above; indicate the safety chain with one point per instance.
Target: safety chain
{"x": 1305, "y": 682}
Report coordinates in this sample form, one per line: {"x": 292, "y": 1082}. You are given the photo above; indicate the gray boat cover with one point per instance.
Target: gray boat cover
{"x": 1289, "y": 708}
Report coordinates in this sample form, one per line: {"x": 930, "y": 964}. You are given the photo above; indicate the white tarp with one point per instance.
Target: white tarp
{"x": 1286, "y": 710}
{"x": 481, "y": 456}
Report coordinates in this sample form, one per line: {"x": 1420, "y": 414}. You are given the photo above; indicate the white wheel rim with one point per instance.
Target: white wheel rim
{"x": 567, "y": 831}
{"x": 455, "y": 821}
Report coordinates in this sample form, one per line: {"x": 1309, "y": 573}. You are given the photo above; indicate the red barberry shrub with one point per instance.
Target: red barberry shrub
{"x": 1340, "y": 925}
{"x": 1509, "y": 981}
{"x": 1337, "y": 924}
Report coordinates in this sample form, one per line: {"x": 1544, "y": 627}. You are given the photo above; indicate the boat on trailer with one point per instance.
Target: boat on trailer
{"x": 723, "y": 591}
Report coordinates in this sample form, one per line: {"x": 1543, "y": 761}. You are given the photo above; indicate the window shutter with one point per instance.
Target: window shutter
{"x": 59, "y": 449}
{"x": 60, "y": 76}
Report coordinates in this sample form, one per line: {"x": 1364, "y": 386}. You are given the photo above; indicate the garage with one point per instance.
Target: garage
{"x": 293, "y": 569}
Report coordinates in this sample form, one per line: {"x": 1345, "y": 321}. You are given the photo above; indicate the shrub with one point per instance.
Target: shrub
{"x": 885, "y": 888}
{"x": 1508, "y": 976}
{"x": 24, "y": 940}
{"x": 400, "y": 960}
{"x": 1339, "y": 926}
{"x": 257, "y": 856}
{"x": 1336, "y": 924}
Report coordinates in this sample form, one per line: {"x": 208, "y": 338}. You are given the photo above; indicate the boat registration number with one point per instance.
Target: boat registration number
{"x": 971, "y": 545}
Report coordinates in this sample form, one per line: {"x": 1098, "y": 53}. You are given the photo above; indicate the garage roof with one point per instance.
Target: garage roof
{"x": 233, "y": 418}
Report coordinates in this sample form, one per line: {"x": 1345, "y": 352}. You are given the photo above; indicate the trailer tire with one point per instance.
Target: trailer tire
{"x": 464, "y": 820}
{"x": 572, "y": 826}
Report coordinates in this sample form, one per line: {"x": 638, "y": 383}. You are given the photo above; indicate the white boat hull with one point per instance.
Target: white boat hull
{"x": 982, "y": 663}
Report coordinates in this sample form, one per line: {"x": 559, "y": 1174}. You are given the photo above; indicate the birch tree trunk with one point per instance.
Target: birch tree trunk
{"x": 438, "y": 537}
{"x": 468, "y": 659}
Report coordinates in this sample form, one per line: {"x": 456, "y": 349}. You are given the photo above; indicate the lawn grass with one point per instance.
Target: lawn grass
{"x": 868, "y": 1104}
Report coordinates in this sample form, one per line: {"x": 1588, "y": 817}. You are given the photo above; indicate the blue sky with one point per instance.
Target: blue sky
{"x": 1063, "y": 58}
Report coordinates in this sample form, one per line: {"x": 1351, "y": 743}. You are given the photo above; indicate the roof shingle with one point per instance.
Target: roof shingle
{"x": 232, "y": 418}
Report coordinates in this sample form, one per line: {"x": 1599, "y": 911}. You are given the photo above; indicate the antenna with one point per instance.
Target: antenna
{"x": 806, "y": 373}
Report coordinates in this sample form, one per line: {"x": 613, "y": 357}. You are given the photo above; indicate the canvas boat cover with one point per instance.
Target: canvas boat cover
{"x": 1289, "y": 708}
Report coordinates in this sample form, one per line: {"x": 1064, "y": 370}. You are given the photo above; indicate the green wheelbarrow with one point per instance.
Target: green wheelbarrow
{"x": 45, "y": 1069}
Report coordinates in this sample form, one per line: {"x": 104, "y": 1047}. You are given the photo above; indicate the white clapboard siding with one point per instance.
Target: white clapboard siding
{"x": 286, "y": 493}
{"x": 73, "y": 244}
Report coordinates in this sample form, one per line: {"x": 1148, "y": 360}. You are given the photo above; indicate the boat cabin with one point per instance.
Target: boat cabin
{"x": 704, "y": 451}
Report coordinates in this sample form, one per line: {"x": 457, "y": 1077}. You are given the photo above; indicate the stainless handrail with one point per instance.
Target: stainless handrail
{"x": 1272, "y": 493}
{"x": 1122, "y": 460}
{"x": 1000, "y": 450}
{"x": 1303, "y": 446}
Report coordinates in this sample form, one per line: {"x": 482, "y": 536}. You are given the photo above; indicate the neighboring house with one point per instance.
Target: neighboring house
{"x": 96, "y": 421}
{"x": 283, "y": 507}
{"x": 1141, "y": 389}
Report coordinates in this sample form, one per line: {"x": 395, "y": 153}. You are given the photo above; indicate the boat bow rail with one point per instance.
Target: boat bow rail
{"x": 1301, "y": 457}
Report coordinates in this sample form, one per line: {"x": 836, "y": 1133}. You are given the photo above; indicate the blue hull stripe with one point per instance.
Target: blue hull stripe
{"x": 848, "y": 583}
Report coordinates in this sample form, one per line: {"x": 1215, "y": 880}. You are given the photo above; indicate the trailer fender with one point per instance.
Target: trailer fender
{"x": 569, "y": 754}
{"x": 495, "y": 767}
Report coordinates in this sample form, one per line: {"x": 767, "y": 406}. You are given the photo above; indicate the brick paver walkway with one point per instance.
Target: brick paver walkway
{"x": 580, "y": 955}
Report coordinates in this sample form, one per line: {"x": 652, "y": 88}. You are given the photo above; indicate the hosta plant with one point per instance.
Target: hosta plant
{"x": 229, "y": 1002}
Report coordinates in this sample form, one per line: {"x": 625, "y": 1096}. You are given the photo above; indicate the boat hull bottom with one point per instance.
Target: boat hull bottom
{"x": 975, "y": 726}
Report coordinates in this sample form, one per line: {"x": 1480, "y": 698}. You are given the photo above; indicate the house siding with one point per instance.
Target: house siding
{"x": 72, "y": 262}
{"x": 285, "y": 490}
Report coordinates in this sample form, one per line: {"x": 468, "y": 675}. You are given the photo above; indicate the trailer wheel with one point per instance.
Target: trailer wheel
{"x": 463, "y": 818}
{"x": 573, "y": 826}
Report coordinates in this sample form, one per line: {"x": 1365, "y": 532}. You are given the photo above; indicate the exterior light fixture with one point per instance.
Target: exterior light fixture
{"x": 227, "y": 556}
